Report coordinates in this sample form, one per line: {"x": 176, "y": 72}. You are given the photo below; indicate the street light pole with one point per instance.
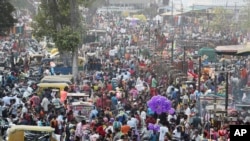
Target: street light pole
{"x": 199, "y": 75}
{"x": 215, "y": 91}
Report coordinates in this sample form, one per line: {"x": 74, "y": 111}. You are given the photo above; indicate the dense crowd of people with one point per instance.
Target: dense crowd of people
{"x": 119, "y": 87}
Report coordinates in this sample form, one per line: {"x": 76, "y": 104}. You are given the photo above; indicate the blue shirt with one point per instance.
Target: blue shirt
{"x": 114, "y": 100}
{"x": 150, "y": 111}
{"x": 153, "y": 137}
{"x": 93, "y": 114}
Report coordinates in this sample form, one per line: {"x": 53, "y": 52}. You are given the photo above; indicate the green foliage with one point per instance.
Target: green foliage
{"x": 151, "y": 11}
{"x": 67, "y": 40}
{"x": 6, "y": 18}
{"x": 219, "y": 20}
{"x": 87, "y": 3}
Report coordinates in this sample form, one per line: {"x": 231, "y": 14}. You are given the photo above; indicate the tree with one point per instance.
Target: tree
{"x": 245, "y": 20}
{"x": 62, "y": 21}
{"x": 150, "y": 11}
{"x": 218, "y": 21}
{"x": 6, "y": 18}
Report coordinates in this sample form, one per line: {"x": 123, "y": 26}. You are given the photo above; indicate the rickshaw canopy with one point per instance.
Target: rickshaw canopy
{"x": 59, "y": 76}
{"x": 82, "y": 103}
{"x": 52, "y": 84}
{"x": 57, "y": 80}
{"x": 17, "y": 132}
{"x": 30, "y": 128}
{"x": 78, "y": 94}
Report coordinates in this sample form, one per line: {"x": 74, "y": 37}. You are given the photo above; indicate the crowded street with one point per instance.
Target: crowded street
{"x": 106, "y": 71}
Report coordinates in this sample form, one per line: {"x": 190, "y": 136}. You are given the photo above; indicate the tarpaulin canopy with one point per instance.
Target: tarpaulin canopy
{"x": 209, "y": 52}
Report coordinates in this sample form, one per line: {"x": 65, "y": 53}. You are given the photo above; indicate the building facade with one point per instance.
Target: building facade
{"x": 128, "y": 3}
{"x": 224, "y": 3}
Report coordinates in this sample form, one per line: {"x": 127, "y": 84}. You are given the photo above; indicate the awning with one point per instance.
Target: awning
{"x": 170, "y": 13}
{"x": 231, "y": 49}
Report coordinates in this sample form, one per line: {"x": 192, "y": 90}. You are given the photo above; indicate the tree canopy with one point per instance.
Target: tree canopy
{"x": 6, "y": 18}
{"x": 54, "y": 20}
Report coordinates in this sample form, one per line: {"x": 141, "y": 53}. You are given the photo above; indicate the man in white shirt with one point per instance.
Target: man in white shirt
{"x": 56, "y": 102}
{"x": 45, "y": 103}
{"x": 187, "y": 110}
{"x": 6, "y": 100}
{"x": 163, "y": 131}
{"x": 132, "y": 123}
{"x": 169, "y": 89}
{"x": 143, "y": 117}
{"x": 196, "y": 136}
{"x": 60, "y": 122}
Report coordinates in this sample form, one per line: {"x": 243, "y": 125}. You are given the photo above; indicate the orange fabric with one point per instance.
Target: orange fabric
{"x": 125, "y": 129}
{"x": 63, "y": 96}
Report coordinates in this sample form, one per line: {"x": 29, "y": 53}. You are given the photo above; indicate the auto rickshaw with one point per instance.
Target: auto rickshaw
{"x": 81, "y": 110}
{"x": 30, "y": 133}
{"x": 42, "y": 86}
{"x": 36, "y": 57}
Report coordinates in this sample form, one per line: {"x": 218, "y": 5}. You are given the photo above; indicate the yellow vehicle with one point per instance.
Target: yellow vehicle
{"x": 56, "y": 80}
{"x": 59, "y": 86}
{"x": 54, "y": 50}
{"x": 35, "y": 133}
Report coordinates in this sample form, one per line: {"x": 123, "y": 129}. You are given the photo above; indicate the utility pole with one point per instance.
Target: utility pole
{"x": 226, "y": 99}
{"x": 172, "y": 51}
{"x": 74, "y": 23}
{"x": 172, "y": 12}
